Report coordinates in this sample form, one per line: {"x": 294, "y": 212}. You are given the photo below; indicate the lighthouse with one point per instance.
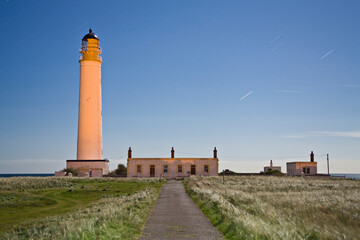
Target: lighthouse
{"x": 89, "y": 160}
{"x": 89, "y": 142}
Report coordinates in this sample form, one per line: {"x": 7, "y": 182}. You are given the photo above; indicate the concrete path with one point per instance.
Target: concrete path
{"x": 176, "y": 216}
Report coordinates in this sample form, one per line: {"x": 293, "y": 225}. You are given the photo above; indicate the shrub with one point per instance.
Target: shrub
{"x": 120, "y": 171}
{"x": 73, "y": 171}
{"x": 273, "y": 172}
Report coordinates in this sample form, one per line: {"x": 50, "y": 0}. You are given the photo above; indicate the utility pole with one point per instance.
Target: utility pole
{"x": 327, "y": 157}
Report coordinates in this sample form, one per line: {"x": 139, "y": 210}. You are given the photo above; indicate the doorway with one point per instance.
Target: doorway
{"x": 152, "y": 170}
{"x": 193, "y": 169}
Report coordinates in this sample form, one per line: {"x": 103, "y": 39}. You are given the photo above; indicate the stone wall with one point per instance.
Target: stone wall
{"x": 60, "y": 174}
{"x": 89, "y": 168}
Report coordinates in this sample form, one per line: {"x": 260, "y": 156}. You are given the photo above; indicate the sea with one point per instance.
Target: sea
{"x": 346, "y": 175}
{"x": 27, "y": 175}
{"x": 337, "y": 175}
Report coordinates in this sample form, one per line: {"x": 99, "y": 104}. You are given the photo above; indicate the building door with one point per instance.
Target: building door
{"x": 152, "y": 170}
{"x": 193, "y": 169}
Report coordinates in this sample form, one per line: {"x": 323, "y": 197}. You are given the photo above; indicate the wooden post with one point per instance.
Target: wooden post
{"x": 327, "y": 157}
{"x": 223, "y": 177}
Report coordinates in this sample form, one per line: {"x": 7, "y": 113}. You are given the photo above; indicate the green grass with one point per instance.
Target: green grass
{"x": 85, "y": 208}
{"x": 265, "y": 207}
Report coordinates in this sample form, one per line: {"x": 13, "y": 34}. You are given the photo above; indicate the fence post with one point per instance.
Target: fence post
{"x": 327, "y": 158}
{"x": 223, "y": 177}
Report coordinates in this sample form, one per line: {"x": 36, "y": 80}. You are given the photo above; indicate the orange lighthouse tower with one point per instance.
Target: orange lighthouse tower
{"x": 89, "y": 142}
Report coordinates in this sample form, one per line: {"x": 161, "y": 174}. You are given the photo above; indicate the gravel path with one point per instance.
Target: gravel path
{"x": 176, "y": 216}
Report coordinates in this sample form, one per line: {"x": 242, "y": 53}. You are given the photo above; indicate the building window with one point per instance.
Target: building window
{"x": 138, "y": 168}
{"x": 165, "y": 168}
{"x": 306, "y": 170}
{"x": 179, "y": 168}
{"x": 206, "y": 168}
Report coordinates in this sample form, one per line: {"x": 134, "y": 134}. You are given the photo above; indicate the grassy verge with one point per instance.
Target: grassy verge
{"x": 74, "y": 208}
{"x": 264, "y": 207}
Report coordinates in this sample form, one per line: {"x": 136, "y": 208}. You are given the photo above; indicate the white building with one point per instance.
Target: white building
{"x": 271, "y": 167}
{"x": 172, "y": 168}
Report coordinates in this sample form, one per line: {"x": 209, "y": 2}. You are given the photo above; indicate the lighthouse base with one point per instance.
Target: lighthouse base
{"x": 89, "y": 168}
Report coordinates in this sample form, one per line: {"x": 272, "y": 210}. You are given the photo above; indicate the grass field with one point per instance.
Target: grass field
{"x": 75, "y": 208}
{"x": 265, "y": 207}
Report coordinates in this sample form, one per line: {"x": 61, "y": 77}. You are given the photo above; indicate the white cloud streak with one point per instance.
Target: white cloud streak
{"x": 348, "y": 134}
{"x": 275, "y": 39}
{"x": 326, "y": 54}
{"x": 275, "y": 48}
{"x": 246, "y": 95}
{"x": 352, "y": 134}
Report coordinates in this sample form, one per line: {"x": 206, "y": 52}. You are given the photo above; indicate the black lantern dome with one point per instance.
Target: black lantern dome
{"x": 90, "y": 35}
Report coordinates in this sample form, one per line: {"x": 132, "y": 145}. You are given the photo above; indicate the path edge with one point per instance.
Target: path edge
{"x": 203, "y": 210}
{"x": 152, "y": 209}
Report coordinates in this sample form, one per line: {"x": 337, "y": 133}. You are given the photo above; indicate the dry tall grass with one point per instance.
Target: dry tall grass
{"x": 115, "y": 218}
{"x": 280, "y": 207}
{"x": 111, "y": 217}
{"x": 22, "y": 183}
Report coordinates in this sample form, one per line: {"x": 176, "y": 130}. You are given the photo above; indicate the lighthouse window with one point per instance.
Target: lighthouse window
{"x": 138, "y": 168}
{"x": 165, "y": 168}
{"x": 179, "y": 168}
{"x": 206, "y": 168}
{"x": 84, "y": 44}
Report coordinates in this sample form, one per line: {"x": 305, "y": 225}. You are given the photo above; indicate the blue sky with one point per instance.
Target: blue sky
{"x": 174, "y": 73}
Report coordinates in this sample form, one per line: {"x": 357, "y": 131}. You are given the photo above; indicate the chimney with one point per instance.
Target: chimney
{"x": 312, "y": 156}
{"x": 129, "y": 153}
{"x": 172, "y": 152}
{"x": 271, "y": 163}
{"x": 215, "y": 152}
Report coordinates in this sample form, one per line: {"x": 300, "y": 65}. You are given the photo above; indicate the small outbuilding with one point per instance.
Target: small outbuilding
{"x": 302, "y": 168}
{"x": 271, "y": 167}
{"x": 89, "y": 168}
